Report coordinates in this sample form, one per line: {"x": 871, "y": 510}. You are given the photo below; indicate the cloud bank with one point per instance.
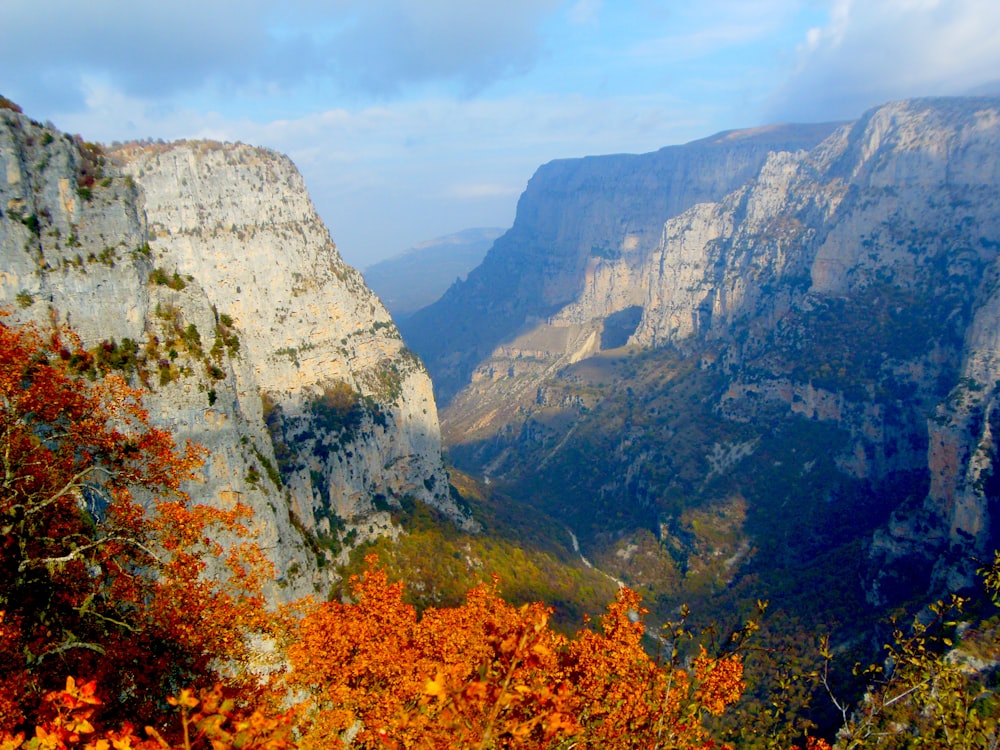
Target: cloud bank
{"x": 249, "y": 47}
{"x": 872, "y": 51}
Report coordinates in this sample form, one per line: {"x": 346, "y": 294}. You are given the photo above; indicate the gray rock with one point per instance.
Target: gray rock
{"x": 255, "y": 315}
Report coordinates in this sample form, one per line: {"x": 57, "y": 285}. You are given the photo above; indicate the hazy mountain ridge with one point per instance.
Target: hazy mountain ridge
{"x": 202, "y": 269}
{"x": 820, "y": 337}
{"x": 418, "y": 277}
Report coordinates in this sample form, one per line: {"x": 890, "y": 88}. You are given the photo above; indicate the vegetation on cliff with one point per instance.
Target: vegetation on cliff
{"x": 102, "y": 553}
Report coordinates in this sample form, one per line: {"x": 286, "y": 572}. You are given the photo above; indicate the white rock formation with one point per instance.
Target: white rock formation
{"x": 250, "y": 309}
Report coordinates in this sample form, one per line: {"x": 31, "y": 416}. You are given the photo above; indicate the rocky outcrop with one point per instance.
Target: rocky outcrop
{"x": 202, "y": 270}
{"x": 909, "y": 183}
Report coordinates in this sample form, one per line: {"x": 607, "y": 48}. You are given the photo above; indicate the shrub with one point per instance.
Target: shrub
{"x": 161, "y": 278}
{"x": 6, "y": 103}
{"x": 83, "y": 591}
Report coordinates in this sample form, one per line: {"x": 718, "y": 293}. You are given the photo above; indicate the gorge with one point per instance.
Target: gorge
{"x": 760, "y": 366}
{"x": 765, "y": 361}
{"x": 751, "y": 365}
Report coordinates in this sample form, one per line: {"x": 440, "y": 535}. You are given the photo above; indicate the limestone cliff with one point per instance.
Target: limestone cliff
{"x": 580, "y": 223}
{"x": 901, "y": 205}
{"x": 202, "y": 270}
{"x": 907, "y": 184}
{"x": 841, "y": 290}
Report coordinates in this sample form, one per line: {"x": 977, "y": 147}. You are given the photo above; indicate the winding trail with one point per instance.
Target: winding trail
{"x": 576, "y": 548}
{"x": 650, "y": 633}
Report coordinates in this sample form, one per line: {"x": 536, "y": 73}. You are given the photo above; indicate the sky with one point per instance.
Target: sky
{"x": 413, "y": 119}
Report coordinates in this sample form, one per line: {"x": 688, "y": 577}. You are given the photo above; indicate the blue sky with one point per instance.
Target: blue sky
{"x": 411, "y": 119}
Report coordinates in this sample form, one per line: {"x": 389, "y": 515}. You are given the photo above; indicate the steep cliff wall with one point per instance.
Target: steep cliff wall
{"x": 202, "y": 270}
{"x": 841, "y": 291}
{"x": 901, "y": 205}
{"x": 882, "y": 200}
{"x": 582, "y": 222}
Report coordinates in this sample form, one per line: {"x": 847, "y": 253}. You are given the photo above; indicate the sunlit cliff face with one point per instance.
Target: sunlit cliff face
{"x": 210, "y": 262}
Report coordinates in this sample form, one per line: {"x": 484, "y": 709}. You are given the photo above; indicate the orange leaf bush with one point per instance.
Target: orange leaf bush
{"x": 102, "y": 555}
{"x": 207, "y": 721}
{"x": 485, "y": 674}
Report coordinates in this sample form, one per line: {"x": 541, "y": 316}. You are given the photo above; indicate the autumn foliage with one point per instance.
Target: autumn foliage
{"x": 486, "y": 674}
{"x": 208, "y": 720}
{"x": 101, "y": 552}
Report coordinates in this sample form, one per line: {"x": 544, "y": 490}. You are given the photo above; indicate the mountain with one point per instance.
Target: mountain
{"x": 414, "y": 279}
{"x": 201, "y": 270}
{"x": 762, "y": 364}
{"x": 572, "y": 214}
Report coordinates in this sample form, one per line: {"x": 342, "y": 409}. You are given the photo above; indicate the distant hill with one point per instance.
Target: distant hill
{"x": 419, "y": 276}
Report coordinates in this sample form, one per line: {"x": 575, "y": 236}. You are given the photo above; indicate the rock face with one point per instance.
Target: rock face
{"x": 846, "y": 284}
{"x": 202, "y": 270}
{"x": 575, "y": 219}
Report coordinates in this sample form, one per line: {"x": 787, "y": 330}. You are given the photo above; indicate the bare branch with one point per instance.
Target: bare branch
{"x": 96, "y": 647}
{"x": 77, "y": 553}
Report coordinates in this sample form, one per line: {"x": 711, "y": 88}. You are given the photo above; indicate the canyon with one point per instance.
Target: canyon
{"x": 755, "y": 356}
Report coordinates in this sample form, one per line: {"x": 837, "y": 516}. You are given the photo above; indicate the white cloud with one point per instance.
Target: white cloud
{"x": 392, "y": 43}
{"x": 147, "y": 47}
{"x": 702, "y": 42}
{"x": 870, "y": 52}
{"x": 423, "y": 169}
{"x": 256, "y": 48}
